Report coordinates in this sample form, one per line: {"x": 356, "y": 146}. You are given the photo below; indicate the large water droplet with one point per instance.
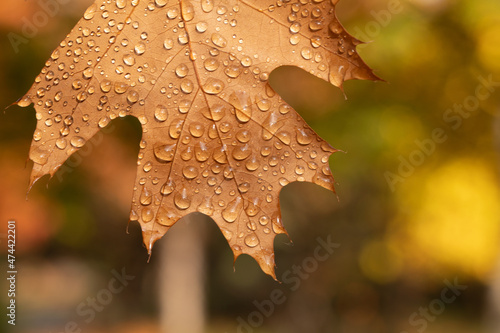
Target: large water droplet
{"x": 218, "y": 40}
{"x": 161, "y": 113}
{"x": 207, "y": 5}
{"x": 146, "y": 196}
{"x": 165, "y": 153}
{"x": 231, "y": 212}
{"x": 213, "y": 86}
{"x": 77, "y": 141}
{"x": 166, "y": 217}
{"x": 206, "y": 206}
{"x": 187, "y": 10}
{"x": 168, "y": 187}
{"x": 147, "y": 215}
{"x": 252, "y": 240}
{"x": 181, "y": 199}
{"x": 220, "y": 155}
{"x": 190, "y": 172}
{"x": 241, "y": 152}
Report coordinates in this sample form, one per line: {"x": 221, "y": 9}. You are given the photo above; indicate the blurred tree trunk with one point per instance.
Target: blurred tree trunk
{"x": 182, "y": 277}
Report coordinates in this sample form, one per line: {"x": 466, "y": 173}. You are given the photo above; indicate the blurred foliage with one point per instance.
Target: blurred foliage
{"x": 399, "y": 239}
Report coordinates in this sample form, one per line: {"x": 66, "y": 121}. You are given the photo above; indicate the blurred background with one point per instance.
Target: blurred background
{"x": 416, "y": 220}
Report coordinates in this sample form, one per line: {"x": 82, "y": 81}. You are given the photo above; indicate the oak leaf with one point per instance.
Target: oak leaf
{"x": 216, "y": 138}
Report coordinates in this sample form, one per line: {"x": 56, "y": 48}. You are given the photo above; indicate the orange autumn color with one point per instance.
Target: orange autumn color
{"x": 216, "y": 138}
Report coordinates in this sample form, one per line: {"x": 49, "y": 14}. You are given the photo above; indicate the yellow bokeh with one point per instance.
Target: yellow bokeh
{"x": 453, "y": 217}
{"x": 489, "y": 47}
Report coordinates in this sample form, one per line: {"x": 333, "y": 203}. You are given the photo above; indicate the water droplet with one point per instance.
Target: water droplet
{"x": 181, "y": 199}
{"x": 315, "y": 25}
{"x": 168, "y": 44}
{"x": 304, "y": 136}
{"x": 241, "y": 152}
{"x": 129, "y": 59}
{"x": 201, "y": 26}
{"x": 196, "y": 129}
{"x": 165, "y": 153}
{"x": 147, "y": 215}
{"x": 166, "y": 217}
{"x": 246, "y": 61}
{"x": 187, "y": 86}
{"x": 213, "y": 86}
{"x": 323, "y": 180}
{"x": 284, "y": 136}
{"x": 121, "y": 4}
{"x": 190, "y": 172}
{"x": 231, "y": 212}
{"x": 233, "y": 71}
{"x": 176, "y": 128}
{"x": 243, "y": 105}
{"x": 140, "y": 48}
{"x": 161, "y": 3}
{"x": 187, "y": 10}
{"x": 105, "y": 85}
{"x": 39, "y": 155}
{"x": 252, "y": 164}
{"x": 161, "y": 113}
{"x": 295, "y": 27}
{"x": 335, "y": 27}
{"x": 306, "y": 53}
{"x": 207, "y": 5}
{"x": 168, "y": 187}
{"x": 121, "y": 87}
{"x": 252, "y": 209}
{"x": 90, "y": 12}
{"x": 77, "y": 141}
{"x": 316, "y": 42}
{"x": 218, "y": 40}
{"x": 243, "y": 136}
{"x": 211, "y": 64}
{"x": 252, "y": 240}
{"x": 206, "y": 206}
{"x": 294, "y": 39}
{"x": 132, "y": 96}
{"x": 61, "y": 143}
{"x": 181, "y": 70}
{"x": 146, "y": 196}
{"x": 219, "y": 155}
{"x": 88, "y": 73}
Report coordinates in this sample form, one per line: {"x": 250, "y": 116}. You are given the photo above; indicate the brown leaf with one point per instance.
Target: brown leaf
{"x": 216, "y": 138}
